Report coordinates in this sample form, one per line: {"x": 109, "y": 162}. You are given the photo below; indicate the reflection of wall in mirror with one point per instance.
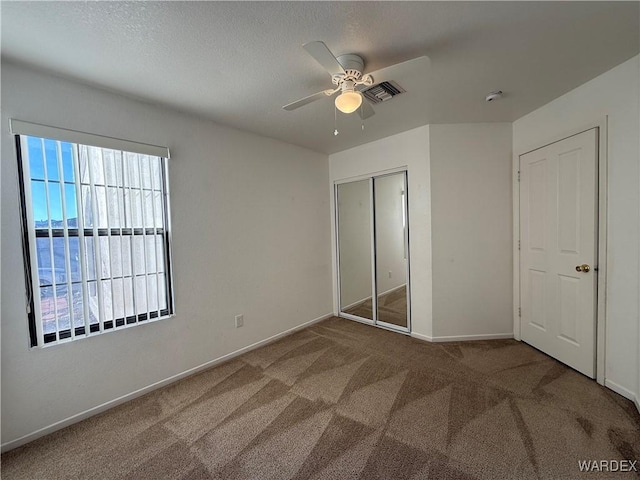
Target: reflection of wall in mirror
{"x": 354, "y": 230}
{"x": 390, "y": 234}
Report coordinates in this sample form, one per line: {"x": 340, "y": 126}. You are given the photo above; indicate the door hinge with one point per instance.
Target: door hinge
{"x": 520, "y": 311}
{"x": 518, "y": 244}
{"x": 518, "y": 175}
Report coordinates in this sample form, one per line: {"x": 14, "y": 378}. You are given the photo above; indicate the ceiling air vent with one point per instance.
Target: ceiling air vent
{"x": 382, "y": 92}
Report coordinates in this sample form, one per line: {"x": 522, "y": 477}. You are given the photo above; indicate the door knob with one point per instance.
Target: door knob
{"x": 583, "y": 268}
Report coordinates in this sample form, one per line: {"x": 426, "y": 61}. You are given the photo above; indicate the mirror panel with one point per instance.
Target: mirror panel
{"x": 355, "y": 248}
{"x": 391, "y": 249}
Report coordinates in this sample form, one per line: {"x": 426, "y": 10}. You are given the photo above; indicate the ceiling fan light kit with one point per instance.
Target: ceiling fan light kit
{"x": 348, "y": 101}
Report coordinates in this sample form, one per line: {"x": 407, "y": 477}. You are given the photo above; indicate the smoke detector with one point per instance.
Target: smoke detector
{"x": 493, "y": 96}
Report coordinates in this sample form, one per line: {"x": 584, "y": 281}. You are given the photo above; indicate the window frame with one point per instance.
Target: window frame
{"x": 30, "y": 233}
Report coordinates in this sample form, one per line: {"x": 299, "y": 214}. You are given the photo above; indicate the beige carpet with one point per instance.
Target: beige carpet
{"x": 342, "y": 400}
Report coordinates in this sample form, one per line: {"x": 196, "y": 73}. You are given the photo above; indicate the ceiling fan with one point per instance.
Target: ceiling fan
{"x": 347, "y": 75}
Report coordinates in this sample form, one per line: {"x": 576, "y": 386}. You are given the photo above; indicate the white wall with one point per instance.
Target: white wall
{"x": 471, "y": 219}
{"x": 250, "y": 235}
{"x": 408, "y": 149}
{"x": 354, "y": 213}
{"x": 616, "y": 94}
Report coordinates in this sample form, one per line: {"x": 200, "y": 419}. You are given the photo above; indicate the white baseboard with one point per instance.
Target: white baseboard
{"x": 359, "y": 302}
{"x": 355, "y": 304}
{"x": 149, "y": 388}
{"x": 420, "y": 336}
{"x": 622, "y": 391}
{"x": 463, "y": 338}
{"x": 468, "y": 338}
{"x": 392, "y": 290}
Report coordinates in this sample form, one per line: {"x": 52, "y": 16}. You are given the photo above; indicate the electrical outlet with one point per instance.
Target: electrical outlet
{"x": 389, "y": 273}
{"x": 239, "y": 321}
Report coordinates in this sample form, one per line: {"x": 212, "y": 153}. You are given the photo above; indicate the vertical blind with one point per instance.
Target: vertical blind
{"x": 96, "y": 236}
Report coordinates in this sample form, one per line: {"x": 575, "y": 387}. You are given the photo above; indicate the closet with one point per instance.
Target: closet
{"x": 372, "y": 228}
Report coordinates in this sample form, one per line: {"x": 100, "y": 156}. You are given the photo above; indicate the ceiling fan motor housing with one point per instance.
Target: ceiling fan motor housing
{"x": 353, "y": 66}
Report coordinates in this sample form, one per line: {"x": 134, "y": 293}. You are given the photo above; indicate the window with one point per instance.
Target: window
{"x": 96, "y": 233}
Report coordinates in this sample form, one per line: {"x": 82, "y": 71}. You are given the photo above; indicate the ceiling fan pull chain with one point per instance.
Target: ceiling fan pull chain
{"x": 335, "y": 121}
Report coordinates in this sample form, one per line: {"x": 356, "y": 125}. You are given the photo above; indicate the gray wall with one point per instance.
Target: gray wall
{"x": 471, "y": 229}
{"x": 250, "y": 235}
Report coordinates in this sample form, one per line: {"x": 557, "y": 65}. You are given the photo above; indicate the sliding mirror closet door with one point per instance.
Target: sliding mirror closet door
{"x": 355, "y": 248}
{"x": 391, "y": 248}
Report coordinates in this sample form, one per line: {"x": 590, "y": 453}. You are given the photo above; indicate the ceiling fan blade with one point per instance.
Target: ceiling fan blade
{"x": 366, "y": 110}
{"x": 324, "y": 57}
{"x": 399, "y": 70}
{"x": 304, "y": 101}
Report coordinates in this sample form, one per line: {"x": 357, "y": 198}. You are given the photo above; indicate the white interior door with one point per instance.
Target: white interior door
{"x": 558, "y": 249}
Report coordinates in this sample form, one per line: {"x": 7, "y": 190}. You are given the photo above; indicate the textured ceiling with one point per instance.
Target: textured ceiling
{"x": 238, "y": 62}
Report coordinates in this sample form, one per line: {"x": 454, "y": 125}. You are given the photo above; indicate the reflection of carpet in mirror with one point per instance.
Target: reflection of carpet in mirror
{"x": 392, "y": 308}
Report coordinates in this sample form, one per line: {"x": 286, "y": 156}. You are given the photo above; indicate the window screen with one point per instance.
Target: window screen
{"x": 96, "y": 238}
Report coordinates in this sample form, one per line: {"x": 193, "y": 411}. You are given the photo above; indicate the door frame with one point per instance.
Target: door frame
{"x": 601, "y": 124}
{"x": 336, "y": 217}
